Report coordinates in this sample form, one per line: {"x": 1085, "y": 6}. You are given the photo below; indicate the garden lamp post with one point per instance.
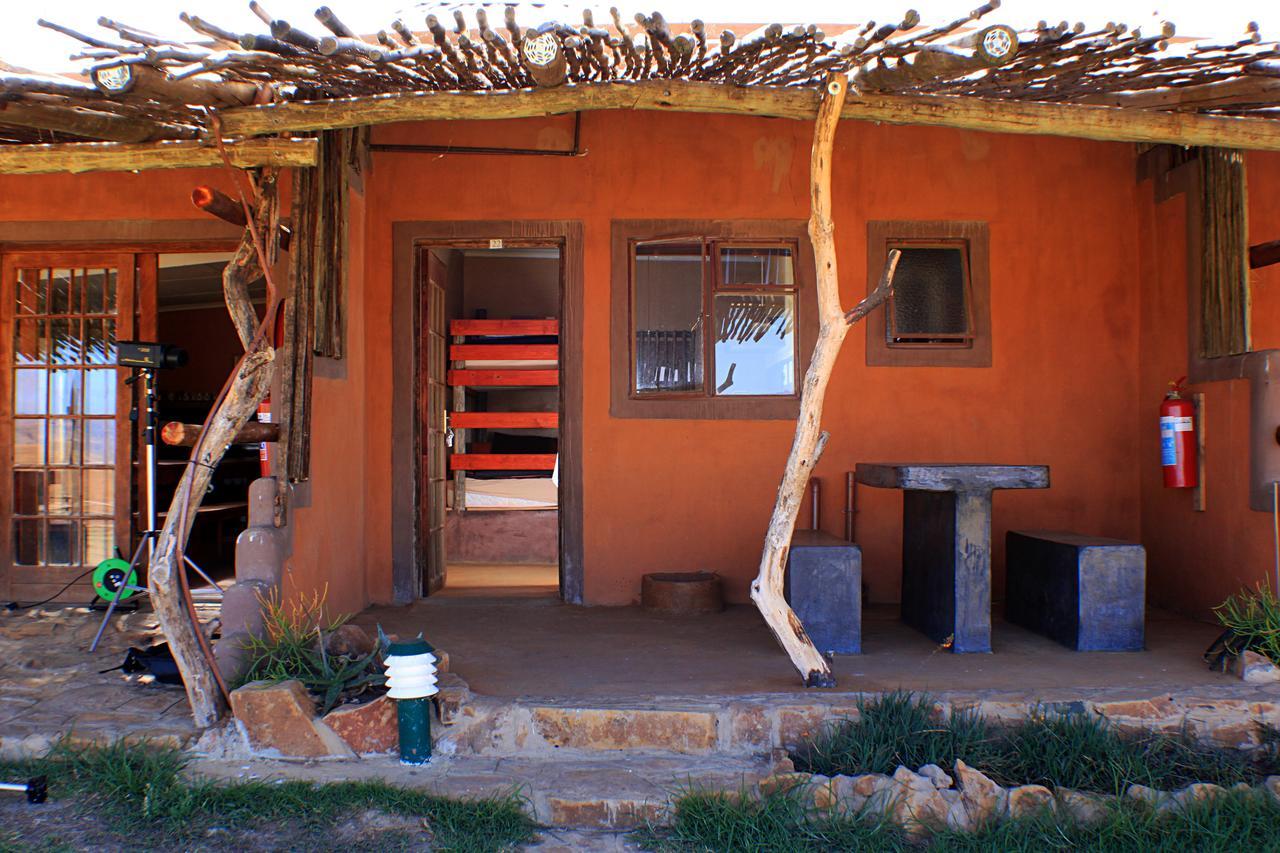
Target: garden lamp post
{"x": 411, "y": 681}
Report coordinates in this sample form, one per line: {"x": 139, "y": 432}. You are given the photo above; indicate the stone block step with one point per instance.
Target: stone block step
{"x": 621, "y": 792}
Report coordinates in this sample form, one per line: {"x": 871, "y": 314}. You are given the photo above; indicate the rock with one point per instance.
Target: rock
{"x": 1029, "y": 800}
{"x": 1272, "y": 786}
{"x": 1254, "y": 668}
{"x": 782, "y": 762}
{"x": 452, "y": 696}
{"x": 1159, "y": 800}
{"x": 349, "y": 640}
{"x": 368, "y": 728}
{"x": 1081, "y": 807}
{"x": 281, "y": 717}
{"x": 940, "y": 778}
{"x": 868, "y": 791}
{"x": 1197, "y": 792}
{"x": 983, "y": 800}
{"x": 917, "y": 806}
{"x": 781, "y": 783}
{"x": 821, "y": 790}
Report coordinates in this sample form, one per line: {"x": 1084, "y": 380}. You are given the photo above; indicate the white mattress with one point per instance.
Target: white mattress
{"x": 511, "y": 493}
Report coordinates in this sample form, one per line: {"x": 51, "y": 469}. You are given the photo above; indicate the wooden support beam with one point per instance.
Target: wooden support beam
{"x": 504, "y": 420}
{"x": 996, "y": 116}
{"x": 119, "y": 157}
{"x": 513, "y": 378}
{"x": 1264, "y": 254}
{"x": 178, "y": 434}
{"x": 505, "y": 352}
{"x": 1220, "y": 93}
{"x": 90, "y": 124}
{"x": 502, "y": 462}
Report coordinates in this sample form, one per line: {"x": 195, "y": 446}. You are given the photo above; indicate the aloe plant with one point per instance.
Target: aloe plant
{"x": 1252, "y": 622}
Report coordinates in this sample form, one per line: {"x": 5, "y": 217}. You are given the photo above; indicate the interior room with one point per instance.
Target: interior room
{"x": 502, "y": 525}
{"x": 191, "y": 313}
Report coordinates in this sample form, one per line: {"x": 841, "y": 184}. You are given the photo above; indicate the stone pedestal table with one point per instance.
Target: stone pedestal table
{"x": 946, "y": 542}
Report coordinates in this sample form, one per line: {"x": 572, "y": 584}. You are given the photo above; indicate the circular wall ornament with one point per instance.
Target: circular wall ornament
{"x": 999, "y": 44}
{"x": 113, "y": 78}
{"x": 541, "y": 50}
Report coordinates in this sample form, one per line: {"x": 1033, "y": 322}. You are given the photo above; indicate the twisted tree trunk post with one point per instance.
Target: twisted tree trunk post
{"x": 806, "y": 449}
{"x": 238, "y": 402}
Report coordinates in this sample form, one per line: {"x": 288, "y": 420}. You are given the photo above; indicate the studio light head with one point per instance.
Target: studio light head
{"x": 149, "y": 355}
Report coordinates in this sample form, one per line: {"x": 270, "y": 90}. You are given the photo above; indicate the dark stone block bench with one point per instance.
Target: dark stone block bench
{"x": 824, "y": 588}
{"x": 1086, "y": 592}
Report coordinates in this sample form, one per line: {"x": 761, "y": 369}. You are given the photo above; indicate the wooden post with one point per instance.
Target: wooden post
{"x": 806, "y": 449}
{"x": 238, "y": 402}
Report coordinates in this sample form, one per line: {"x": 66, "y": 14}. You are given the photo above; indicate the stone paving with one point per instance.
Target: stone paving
{"x": 51, "y": 687}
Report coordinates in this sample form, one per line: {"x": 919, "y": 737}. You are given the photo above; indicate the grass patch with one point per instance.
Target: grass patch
{"x": 1059, "y": 750}
{"x": 142, "y": 792}
{"x": 779, "y": 823}
{"x": 715, "y": 822}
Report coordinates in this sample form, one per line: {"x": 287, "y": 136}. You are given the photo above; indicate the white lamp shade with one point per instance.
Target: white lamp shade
{"x": 411, "y": 676}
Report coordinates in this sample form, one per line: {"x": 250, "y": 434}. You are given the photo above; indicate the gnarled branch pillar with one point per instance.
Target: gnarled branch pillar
{"x": 806, "y": 449}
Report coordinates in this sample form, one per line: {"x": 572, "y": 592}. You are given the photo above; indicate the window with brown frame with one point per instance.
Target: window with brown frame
{"x": 939, "y": 313}
{"x": 709, "y": 325}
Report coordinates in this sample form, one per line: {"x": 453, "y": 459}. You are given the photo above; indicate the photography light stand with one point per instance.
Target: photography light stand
{"x": 125, "y": 587}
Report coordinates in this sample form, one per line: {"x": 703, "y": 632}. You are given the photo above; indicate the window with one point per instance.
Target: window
{"x": 708, "y": 326}
{"x": 939, "y": 313}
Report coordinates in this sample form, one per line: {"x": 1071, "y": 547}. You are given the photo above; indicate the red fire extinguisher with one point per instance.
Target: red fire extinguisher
{"x": 264, "y": 447}
{"x": 1178, "y": 439}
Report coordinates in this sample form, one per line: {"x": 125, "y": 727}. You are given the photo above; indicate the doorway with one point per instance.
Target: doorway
{"x": 490, "y": 412}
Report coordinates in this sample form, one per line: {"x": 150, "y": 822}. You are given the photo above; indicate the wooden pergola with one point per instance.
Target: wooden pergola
{"x": 153, "y": 102}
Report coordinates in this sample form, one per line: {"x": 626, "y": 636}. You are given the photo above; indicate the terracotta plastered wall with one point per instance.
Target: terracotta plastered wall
{"x": 678, "y": 494}
{"x": 1196, "y": 559}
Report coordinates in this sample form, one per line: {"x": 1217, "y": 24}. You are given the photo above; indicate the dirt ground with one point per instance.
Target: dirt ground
{"x": 61, "y": 826}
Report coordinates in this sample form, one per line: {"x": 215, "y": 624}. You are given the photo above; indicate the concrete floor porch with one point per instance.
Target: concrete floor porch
{"x": 535, "y": 647}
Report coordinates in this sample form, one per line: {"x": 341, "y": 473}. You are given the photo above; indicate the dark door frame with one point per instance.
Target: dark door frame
{"x": 407, "y": 238}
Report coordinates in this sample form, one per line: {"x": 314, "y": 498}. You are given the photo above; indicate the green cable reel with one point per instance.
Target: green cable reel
{"x": 111, "y": 575}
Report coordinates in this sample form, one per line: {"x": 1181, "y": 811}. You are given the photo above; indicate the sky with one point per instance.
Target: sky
{"x": 24, "y": 44}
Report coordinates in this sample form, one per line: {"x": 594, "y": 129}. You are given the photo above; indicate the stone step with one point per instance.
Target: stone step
{"x": 620, "y": 792}
{"x": 484, "y": 726}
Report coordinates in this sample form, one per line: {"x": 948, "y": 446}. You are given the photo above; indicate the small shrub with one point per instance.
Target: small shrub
{"x": 292, "y": 646}
{"x": 1058, "y": 750}
{"x": 1252, "y": 622}
{"x": 897, "y": 729}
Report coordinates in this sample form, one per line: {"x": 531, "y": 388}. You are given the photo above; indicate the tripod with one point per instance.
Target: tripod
{"x": 122, "y": 583}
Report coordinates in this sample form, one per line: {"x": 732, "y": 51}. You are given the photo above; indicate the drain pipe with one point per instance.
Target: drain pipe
{"x": 815, "y": 494}
{"x": 850, "y": 498}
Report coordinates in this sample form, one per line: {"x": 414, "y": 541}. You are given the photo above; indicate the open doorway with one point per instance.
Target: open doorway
{"x": 489, "y": 373}
{"x": 191, "y": 313}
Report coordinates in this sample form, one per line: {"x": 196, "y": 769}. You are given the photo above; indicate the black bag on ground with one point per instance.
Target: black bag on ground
{"x": 156, "y": 660}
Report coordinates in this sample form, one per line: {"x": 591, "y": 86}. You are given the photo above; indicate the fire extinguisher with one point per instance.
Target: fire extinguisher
{"x": 1178, "y": 439}
{"x": 264, "y": 447}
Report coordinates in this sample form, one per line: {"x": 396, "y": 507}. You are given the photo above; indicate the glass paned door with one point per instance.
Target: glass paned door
{"x": 66, "y": 456}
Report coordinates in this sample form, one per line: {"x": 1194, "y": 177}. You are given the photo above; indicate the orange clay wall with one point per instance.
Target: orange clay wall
{"x": 1196, "y": 559}
{"x": 666, "y": 495}
{"x": 1088, "y": 318}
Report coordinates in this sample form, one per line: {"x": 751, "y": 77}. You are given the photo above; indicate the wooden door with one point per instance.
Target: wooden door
{"x": 65, "y": 437}
{"x": 434, "y": 418}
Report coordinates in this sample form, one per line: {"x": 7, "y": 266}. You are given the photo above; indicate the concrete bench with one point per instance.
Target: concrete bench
{"x": 824, "y": 588}
{"x": 1086, "y": 592}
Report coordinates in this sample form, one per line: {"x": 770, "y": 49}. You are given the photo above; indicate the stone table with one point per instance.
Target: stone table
{"x": 946, "y": 542}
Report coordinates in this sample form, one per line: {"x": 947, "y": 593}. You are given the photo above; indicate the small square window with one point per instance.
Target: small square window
{"x": 939, "y": 313}
{"x": 930, "y": 301}
{"x": 745, "y": 296}
{"x": 710, "y": 318}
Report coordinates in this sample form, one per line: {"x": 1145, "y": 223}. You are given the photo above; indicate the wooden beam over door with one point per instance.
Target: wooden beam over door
{"x": 997, "y": 116}
{"x": 118, "y": 157}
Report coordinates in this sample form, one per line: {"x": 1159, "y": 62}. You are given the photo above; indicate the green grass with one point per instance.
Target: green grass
{"x": 1252, "y": 618}
{"x": 1059, "y": 750}
{"x": 716, "y": 823}
{"x": 142, "y": 792}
